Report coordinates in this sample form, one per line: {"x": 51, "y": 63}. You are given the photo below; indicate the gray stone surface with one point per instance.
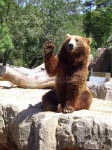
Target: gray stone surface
{"x": 88, "y": 133}
{"x": 103, "y": 60}
{"x": 3, "y": 135}
{"x": 101, "y": 90}
{"x": 28, "y": 128}
{"x": 46, "y": 130}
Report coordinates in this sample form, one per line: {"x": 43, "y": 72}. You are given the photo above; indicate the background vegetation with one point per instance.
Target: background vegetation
{"x": 26, "y": 24}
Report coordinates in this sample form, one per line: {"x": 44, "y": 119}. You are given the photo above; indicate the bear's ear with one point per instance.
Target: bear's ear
{"x": 68, "y": 35}
{"x": 89, "y": 41}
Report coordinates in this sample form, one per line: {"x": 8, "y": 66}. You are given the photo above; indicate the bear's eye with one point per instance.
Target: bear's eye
{"x": 76, "y": 40}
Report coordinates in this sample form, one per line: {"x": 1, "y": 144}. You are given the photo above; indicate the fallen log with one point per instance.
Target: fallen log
{"x": 27, "y": 78}
{"x": 27, "y": 71}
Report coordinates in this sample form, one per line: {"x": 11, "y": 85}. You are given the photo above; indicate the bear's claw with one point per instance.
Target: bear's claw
{"x": 68, "y": 109}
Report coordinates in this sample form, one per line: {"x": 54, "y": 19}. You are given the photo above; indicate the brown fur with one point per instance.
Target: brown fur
{"x": 71, "y": 70}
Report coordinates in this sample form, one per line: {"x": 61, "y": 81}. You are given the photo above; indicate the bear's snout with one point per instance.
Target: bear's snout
{"x": 70, "y": 46}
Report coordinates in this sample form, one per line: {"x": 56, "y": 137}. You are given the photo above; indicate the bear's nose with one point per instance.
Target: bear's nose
{"x": 70, "y": 46}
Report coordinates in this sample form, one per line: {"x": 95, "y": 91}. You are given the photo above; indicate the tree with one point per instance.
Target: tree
{"x": 26, "y": 34}
{"x": 98, "y": 22}
{"x": 6, "y": 44}
{"x": 31, "y": 22}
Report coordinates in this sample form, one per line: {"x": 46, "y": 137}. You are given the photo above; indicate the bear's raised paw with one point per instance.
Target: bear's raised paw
{"x": 48, "y": 47}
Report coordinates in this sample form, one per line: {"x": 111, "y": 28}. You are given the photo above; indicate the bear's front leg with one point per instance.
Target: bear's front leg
{"x": 67, "y": 109}
{"x": 51, "y": 61}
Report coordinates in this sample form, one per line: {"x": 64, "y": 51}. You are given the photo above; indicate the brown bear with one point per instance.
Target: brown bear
{"x": 70, "y": 67}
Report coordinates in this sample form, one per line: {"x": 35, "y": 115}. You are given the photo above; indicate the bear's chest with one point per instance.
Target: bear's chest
{"x": 65, "y": 77}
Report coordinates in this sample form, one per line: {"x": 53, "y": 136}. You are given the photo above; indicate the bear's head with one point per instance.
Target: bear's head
{"x": 77, "y": 44}
{"x": 76, "y": 49}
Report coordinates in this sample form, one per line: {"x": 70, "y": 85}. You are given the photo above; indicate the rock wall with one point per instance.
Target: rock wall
{"x": 101, "y": 90}
{"x": 23, "y": 125}
{"x": 103, "y": 61}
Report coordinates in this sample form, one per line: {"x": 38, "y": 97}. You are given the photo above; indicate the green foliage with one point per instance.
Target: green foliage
{"x": 27, "y": 33}
{"x": 26, "y": 24}
{"x": 98, "y": 22}
{"x": 60, "y": 17}
{"x": 35, "y": 24}
{"x": 5, "y": 39}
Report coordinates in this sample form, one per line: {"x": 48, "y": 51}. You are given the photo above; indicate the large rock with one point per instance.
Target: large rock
{"x": 101, "y": 90}
{"x": 103, "y": 61}
{"x": 23, "y": 125}
{"x": 13, "y": 101}
{"x": 3, "y": 135}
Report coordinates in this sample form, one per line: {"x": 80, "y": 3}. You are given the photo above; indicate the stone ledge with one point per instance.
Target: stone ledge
{"x": 26, "y": 127}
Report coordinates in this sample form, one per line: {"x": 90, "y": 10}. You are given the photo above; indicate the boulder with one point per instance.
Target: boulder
{"x": 23, "y": 125}
{"x": 3, "y": 135}
{"x": 103, "y": 61}
{"x": 101, "y": 90}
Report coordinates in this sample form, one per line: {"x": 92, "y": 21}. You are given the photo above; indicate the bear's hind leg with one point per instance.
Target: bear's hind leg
{"x": 50, "y": 101}
{"x": 84, "y": 101}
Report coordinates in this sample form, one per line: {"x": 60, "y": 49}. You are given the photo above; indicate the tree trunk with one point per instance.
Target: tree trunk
{"x": 6, "y": 57}
{"x": 26, "y": 78}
